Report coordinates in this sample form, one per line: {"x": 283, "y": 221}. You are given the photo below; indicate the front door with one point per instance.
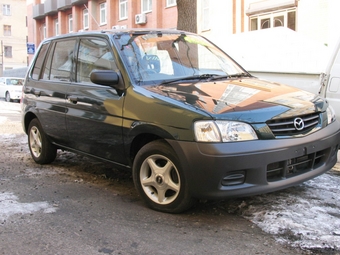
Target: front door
{"x": 94, "y": 114}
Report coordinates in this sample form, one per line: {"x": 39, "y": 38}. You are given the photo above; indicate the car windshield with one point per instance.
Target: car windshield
{"x": 15, "y": 81}
{"x": 171, "y": 57}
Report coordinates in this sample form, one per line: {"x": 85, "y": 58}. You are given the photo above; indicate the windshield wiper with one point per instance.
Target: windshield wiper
{"x": 229, "y": 76}
{"x": 191, "y": 77}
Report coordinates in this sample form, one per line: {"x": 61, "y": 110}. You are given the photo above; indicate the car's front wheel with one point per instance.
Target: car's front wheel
{"x": 160, "y": 180}
{"x": 8, "y": 97}
{"x": 42, "y": 150}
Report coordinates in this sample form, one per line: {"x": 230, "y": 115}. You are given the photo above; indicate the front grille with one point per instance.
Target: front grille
{"x": 295, "y": 166}
{"x": 286, "y": 127}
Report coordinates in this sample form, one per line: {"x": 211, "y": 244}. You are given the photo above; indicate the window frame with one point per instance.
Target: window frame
{"x": 70, "y": 23}
{"x": 7, "y": 30}
{"x": 258, "y": 18}
{"x": 205, "y": 15}
{"x": 123, "y": 9}
{"x": 8, "y": 51}
{"x": 146, "y": 6}
{"x": 6, "y": 9}
{"x": 56, "y": 27}
{"x": 171, "y": 3}
{"x": 86, "y": 20}
{"x": 44, "y": 31}
{"x": 103, "y": 13}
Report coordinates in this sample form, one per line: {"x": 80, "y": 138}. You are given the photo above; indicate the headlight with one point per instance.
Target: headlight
{"x": 330, "y": 114}
{"x": 223, "y": 131}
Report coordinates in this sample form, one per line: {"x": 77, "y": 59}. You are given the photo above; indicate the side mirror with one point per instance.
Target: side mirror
{"x": 105, "y": 77}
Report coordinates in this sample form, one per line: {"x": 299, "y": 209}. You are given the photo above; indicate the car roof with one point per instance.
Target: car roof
{"x": 117, "y": 31}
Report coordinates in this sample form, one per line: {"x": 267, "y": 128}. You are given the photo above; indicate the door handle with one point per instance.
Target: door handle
{"x": 73, "y": 99}
{"x": 37, "y": 93}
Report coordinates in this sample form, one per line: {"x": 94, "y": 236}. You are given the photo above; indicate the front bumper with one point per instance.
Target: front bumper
{"x": 15, "y": 95}
{"x": 222, "y": 170}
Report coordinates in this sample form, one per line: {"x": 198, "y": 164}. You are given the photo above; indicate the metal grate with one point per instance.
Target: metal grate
{"x": 293, "y": 126}
{"x": 295, "y": 166}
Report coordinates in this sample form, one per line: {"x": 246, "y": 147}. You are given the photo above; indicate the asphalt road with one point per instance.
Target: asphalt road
{"x": 80, "y": 206}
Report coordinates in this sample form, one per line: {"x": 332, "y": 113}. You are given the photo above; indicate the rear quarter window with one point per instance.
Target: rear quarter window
{"x": 39, "y": 62}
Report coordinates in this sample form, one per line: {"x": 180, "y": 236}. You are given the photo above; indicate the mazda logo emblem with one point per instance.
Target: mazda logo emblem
{"x": 299, "y": 124}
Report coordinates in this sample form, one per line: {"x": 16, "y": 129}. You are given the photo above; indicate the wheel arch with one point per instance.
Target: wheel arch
{"x": 144, "y": 134}
{"x": 29, "y": 116}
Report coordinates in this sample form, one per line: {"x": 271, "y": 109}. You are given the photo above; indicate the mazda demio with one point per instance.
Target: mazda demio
{"x": 182, "y": 115}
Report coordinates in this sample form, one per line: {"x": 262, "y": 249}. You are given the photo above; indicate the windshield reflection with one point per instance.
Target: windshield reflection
{"x": 161, "y": 57}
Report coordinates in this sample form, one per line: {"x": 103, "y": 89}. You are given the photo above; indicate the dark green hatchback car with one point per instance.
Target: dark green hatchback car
{"x": 170, "y": 105}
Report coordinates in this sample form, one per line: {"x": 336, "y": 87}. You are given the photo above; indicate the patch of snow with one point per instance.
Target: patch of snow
{"x": 9, "y": 206}
{"x": 306, "y": 216}
{"x": 2, "y": 119}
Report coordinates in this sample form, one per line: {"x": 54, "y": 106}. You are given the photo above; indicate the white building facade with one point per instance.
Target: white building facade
{"x": 316, "y": 19}
{"x": 13, "y": 34}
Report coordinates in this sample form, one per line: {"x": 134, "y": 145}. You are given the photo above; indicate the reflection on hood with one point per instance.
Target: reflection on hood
{"x": 238, "y": 95}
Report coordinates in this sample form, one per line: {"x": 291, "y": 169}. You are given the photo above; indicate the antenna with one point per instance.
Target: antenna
{"x": 91, "y": 15}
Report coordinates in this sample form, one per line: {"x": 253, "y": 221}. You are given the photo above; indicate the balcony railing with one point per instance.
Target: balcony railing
{"x": 78, "y": 2}
{"x": 64, "y": 4}
{"x": 50, "y": 6}
{"x": 38, "y": 11}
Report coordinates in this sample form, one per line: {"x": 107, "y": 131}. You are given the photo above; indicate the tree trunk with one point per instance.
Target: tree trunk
{"x": 187, "y": 15}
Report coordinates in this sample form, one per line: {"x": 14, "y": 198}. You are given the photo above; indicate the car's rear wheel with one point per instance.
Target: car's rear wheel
{"x": 42, "y": 150}
{"x": 8, "y": 97}
{"x": 160, "y": 180}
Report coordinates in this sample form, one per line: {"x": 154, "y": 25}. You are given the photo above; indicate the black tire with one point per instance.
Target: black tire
{"x": 8, "y": 97}
{"x": 159, "y": 178}
{"x": 42, "y": 150}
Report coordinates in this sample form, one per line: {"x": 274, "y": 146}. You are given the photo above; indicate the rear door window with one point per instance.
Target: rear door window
{"x": 60, "y": 61}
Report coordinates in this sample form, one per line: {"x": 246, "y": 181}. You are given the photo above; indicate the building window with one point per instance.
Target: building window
{"x": 123, "y": 9}
{"x": 284, "y": 18}
{"x": 170, "y": 3}
{"x": 56, "y": 27}
{"x": 44, "y": 31}
{"x": 85, "y": 19}
{"x": 103, "y": 14}
{"x": 146, "y": 6}
{"x": 6, "y": 9}
{"x": 7, "y": 30}
{"x": 205, "y": 15}
{"x": 8, "y": 51}
{"x": 70, "y": 23}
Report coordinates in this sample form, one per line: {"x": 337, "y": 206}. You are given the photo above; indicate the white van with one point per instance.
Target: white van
{"x": 330, "y": 81}
{"x": 11, "y": 88}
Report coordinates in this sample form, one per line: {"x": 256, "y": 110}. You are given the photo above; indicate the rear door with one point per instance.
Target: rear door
{"x": 47, "y": 84}
{"x": 94, "y": 112}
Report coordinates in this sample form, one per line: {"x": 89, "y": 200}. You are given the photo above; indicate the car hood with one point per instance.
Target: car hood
{"x": 248, "y": 99}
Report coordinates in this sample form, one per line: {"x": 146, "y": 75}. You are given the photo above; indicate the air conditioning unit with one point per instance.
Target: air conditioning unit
{"x": 116, "y": 27}
{"x": 140, "y": 18}
{"x": 123, "y": 27}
